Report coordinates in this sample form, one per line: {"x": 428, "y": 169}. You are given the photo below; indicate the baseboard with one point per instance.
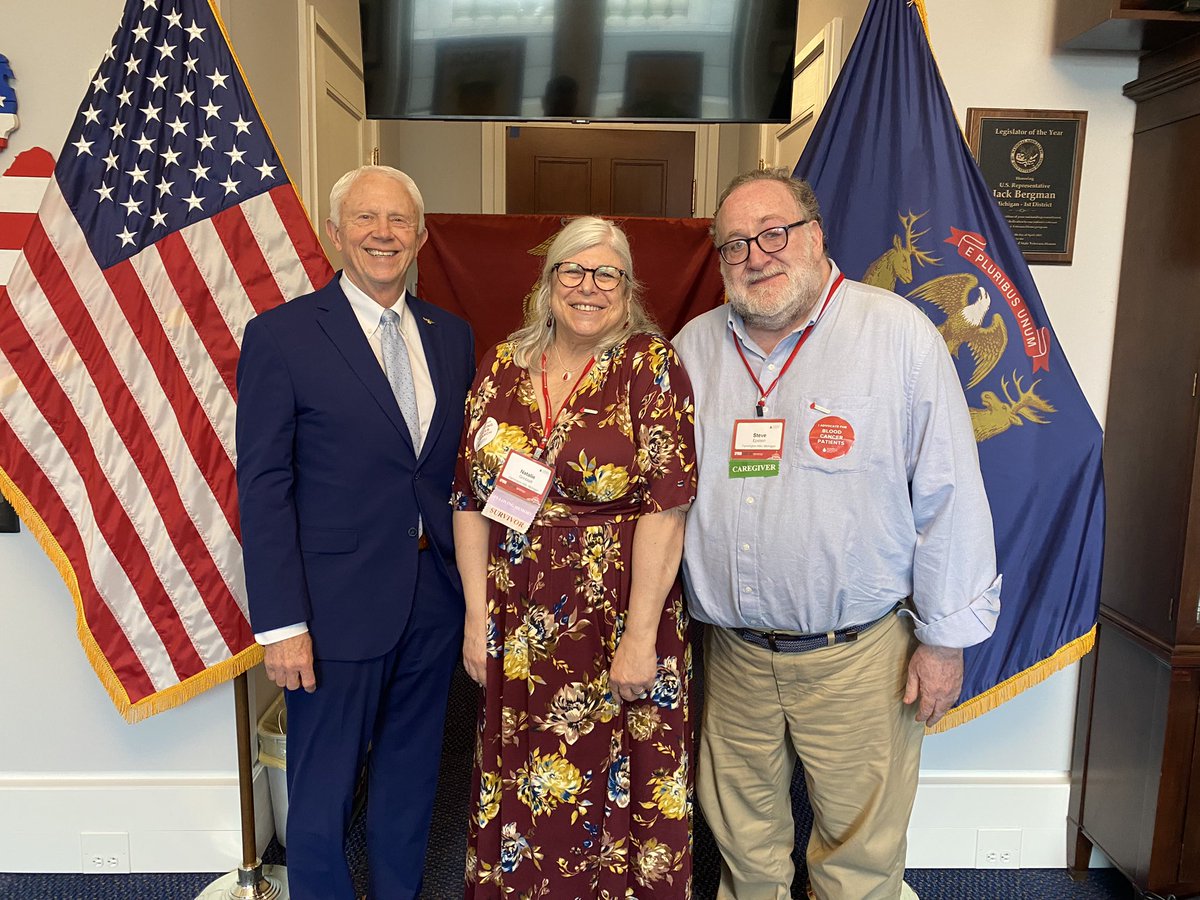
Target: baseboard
{"x": 192, "y": 824}
{"x": 1025, "y": 810}
{"x": 189, "y": 823}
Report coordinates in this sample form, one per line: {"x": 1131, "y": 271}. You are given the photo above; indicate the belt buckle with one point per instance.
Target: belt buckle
{"x": 771, "y": 641}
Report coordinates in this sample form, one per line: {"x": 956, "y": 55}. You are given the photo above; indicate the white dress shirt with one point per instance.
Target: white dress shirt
{"x": 368, "y": 313}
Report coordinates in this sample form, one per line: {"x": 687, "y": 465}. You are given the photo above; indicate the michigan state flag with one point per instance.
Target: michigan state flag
{"x": 907, "y": 209}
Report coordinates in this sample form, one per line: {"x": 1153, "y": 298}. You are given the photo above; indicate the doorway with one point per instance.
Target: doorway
{"x": 609, "y": 172}
{"x": 611, "y": 169}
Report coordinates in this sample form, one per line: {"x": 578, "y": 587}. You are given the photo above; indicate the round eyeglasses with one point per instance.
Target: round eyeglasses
{"x": 571, "y": 275}
{"x": 772, "y": 240}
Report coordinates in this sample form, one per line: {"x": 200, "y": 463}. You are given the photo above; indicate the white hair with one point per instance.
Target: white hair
{"x": 339, "y": 191}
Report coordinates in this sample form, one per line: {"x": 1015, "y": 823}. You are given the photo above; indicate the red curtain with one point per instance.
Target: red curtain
{"x": 483, "y": 268}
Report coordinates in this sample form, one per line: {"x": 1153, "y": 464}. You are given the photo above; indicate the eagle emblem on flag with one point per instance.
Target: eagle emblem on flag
{"x": 964, "y": 322}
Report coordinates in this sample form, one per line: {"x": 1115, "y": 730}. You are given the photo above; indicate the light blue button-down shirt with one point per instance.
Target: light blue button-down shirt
{"x": 839, "y": 537}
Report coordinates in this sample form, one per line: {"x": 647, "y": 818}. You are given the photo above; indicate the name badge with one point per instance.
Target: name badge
{"x": 521, "y": 487}
{"x": 757, "y": 448}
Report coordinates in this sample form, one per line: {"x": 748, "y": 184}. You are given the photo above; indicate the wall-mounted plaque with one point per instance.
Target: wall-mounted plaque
{"x": 1031, "y": 160}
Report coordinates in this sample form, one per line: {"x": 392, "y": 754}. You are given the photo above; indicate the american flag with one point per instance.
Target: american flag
{"x": 8, "y": 102}
{"x": 168, "y": 224}
{"x": 22, "y": 186}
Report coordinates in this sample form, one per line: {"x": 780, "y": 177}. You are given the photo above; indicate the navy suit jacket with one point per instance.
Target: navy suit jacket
{"x": 329, "y": 487}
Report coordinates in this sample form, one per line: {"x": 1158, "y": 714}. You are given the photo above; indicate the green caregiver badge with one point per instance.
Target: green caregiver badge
{"x": 757, "y": 448}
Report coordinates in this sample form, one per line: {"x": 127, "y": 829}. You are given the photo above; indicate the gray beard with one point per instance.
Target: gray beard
{"x": 804, "y": 291}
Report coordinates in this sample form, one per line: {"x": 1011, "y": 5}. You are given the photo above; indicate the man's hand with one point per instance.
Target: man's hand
{"x": 935, "y": 677}
{"x": 290, "y": 663}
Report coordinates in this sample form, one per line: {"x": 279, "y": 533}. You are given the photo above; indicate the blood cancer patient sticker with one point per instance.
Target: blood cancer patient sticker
{"x": 831, "y": 437}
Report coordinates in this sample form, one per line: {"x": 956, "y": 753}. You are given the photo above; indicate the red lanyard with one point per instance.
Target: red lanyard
{"x": 548, "y": 423}
{"x": 763, "y": 394}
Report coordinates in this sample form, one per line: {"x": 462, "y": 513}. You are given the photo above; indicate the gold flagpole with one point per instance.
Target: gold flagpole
{"x": 252, "y": 880}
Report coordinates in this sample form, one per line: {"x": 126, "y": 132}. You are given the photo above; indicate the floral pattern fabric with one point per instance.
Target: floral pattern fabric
{"x": 578, "y": 794}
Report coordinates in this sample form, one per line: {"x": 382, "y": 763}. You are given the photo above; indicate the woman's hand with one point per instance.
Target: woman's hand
{"x": 475, "y": 651}
{"x": 471, "y": 551}
{"x": 634, "y": 667}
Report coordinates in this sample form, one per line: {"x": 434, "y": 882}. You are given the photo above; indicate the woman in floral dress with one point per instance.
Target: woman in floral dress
{"x": 576, "y": 628}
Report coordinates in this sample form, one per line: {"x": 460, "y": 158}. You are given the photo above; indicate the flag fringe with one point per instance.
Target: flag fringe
{"x": 1006, "y": 690}
{"x": 920, "y": 5}
{"x": 157, "y": 702}
{"x": 161, "y": 701}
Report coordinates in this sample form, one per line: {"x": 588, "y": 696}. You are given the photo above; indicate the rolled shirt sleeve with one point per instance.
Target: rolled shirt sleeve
{"x": 954, "y": 561}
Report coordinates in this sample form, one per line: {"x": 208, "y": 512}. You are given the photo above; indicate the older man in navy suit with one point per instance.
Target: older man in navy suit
{"x": 349, "y": 415}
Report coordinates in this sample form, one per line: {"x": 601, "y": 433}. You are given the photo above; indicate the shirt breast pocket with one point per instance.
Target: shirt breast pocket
{"x": 837, "y": 435}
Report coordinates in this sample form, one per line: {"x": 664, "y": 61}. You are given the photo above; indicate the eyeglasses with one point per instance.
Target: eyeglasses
{"x": 604, "y": 277}
{"x": 772, "y": 240}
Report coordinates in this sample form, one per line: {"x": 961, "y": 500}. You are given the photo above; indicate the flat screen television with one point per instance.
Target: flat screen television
{"x": 579, "y": 60}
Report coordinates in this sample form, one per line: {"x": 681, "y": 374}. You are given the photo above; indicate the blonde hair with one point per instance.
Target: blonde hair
{"x": 534, "y": 337}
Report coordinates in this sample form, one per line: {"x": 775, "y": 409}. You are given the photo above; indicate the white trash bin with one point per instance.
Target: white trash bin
{"x": 272, "y": 753}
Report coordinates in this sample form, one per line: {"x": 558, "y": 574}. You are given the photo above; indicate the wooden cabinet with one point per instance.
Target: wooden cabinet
{"x": 1136, "y": 769}
{"x": 1119, "y": 24}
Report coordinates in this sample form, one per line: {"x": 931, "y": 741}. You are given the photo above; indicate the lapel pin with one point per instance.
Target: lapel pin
{"x": 427, "y": 321}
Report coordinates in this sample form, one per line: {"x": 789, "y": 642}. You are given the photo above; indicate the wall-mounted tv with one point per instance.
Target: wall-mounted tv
{"x": 572, "y": 60}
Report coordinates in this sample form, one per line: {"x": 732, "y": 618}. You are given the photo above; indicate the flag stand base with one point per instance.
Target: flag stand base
{"x": 252, "y": 880}
{"x": 256, "y": 883}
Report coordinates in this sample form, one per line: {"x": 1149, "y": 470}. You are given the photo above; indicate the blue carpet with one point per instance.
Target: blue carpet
{"x": 931, "y": 884}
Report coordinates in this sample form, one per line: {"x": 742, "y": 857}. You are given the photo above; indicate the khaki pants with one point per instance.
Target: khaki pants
{"x": 839, "y": 709}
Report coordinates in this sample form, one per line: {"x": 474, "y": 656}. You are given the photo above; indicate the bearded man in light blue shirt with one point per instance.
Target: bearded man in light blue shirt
{"x": 840, "y": 550}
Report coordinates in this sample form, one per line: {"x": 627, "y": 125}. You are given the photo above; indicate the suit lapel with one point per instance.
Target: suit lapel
{"x": 433, "y": 341}
{"x": 339, "y": 323}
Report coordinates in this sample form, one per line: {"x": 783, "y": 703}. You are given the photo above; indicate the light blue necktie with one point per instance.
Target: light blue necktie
{"x": 399, "y": 373}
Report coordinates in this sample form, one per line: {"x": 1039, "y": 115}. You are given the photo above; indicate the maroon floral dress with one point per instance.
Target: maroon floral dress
{"x": 578, "y": 794}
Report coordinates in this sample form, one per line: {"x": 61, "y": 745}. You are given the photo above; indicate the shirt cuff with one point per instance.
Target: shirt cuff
{"x": 275, "y": 635}
{"x": 966, "y": 627}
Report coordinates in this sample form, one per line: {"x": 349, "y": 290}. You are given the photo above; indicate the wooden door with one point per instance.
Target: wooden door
{"x": 336, "y": 135}
{"x": 817, "y": 68}
{"x": 1150, "y": 436}
{"x": 614, "y": 172}
{"x": 342, "y": 139}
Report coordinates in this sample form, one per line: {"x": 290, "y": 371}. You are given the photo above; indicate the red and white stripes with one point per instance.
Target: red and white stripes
{"x": 118, "y": 400}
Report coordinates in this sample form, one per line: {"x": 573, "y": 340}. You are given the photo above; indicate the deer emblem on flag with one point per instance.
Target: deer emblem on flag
{"x": 897, "y": 263}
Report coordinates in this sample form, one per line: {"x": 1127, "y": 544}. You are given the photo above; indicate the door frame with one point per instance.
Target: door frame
{"x": 825, "y": 51}
{"x": 495, "y": 158}
{"x": 313, "y": 26}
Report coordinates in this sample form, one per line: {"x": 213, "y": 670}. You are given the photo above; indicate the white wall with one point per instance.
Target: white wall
{"x": 68, "y": 763}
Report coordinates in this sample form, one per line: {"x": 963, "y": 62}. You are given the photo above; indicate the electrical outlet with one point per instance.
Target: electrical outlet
{"x": 104, "y": 853}
{"x": 998, "y": 848}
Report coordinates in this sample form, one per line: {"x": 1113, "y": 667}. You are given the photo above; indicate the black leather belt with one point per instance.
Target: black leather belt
{"x": 785, "y": 642}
